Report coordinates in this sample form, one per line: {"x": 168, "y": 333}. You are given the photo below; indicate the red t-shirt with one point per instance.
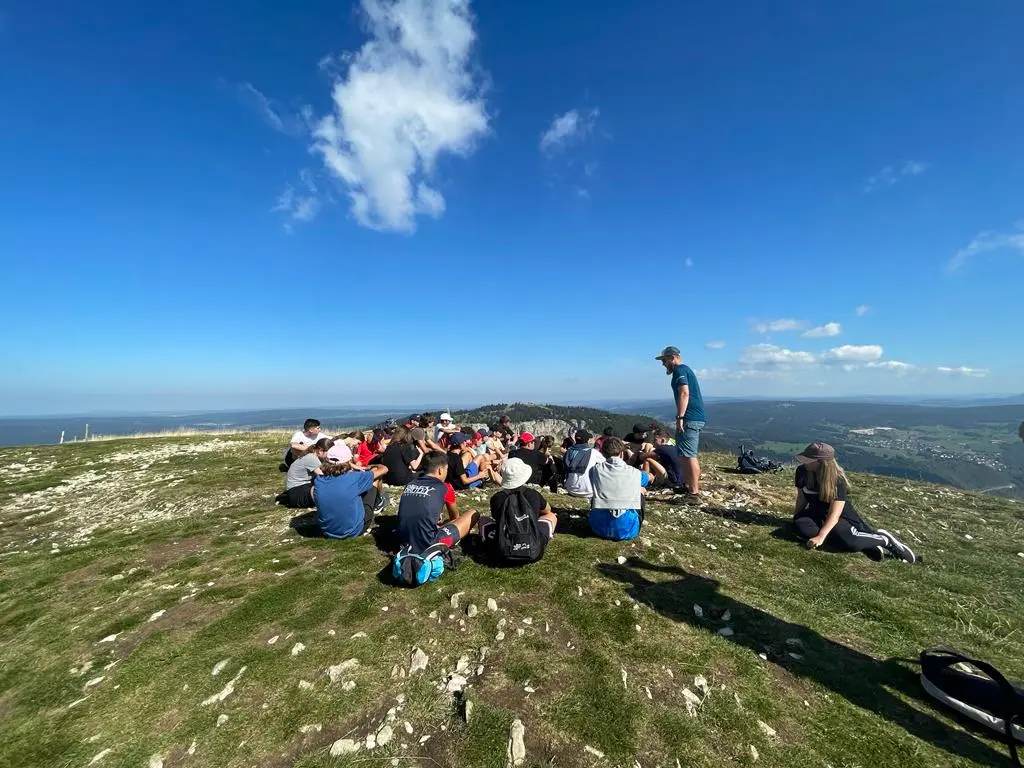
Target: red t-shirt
{"x": 364, "y": 454}
{"x": 449, "y": 494}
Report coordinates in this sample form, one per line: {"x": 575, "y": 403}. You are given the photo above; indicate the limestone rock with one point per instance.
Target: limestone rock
{"x": 516, "y": 753}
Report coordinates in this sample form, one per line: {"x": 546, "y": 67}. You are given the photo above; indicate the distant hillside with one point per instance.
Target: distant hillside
{"x": 593, "y": 419}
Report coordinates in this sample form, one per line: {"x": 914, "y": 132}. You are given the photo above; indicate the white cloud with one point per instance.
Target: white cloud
{"x": 582, "y": 192}
{"x": 892, "y": 366}
{"x": 408, "y": 96}
{"x": 862, "y": 310}
{"x": 974, "y": 373}
{"x": 849, "y": 353}
{"x": 715, "y": 345}
{"x": 772, "y": 356}
{"x": 565, "y": 129}
{"x": 299, "y": 205}
{"x": 775, "y": 326}
{"x": 985, "y": 242}
{"x": 688, "y": 263}
{"x": 828, "y": 329}
{"x": 272, "y": 113}
{"x": 891, "y": 175}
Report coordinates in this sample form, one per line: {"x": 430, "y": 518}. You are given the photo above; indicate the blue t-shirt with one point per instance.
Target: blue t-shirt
{"x": 620, "y": 525}
{"x": 668, "y": 457}
{"x": 338, "y": 506}
{"x": 683, "y": 375}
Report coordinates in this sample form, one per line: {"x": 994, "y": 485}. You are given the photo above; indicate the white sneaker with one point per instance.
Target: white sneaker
{"x": 897, "y": 548}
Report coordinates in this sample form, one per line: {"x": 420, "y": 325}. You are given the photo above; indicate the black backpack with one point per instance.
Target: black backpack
{"x": 577, "y": 458}
{"x": 519, "y": 539}
{"x": 980, "y": 692}
{"x": 749, "y": 464}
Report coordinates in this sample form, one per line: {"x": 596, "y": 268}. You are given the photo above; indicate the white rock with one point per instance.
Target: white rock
{"x": 273, "y": 640}
{"x": 297, "y": 649}
{"x": 108, "y": 639}
{"x": 968, "y": 537}
{"x": 766, "y": 729}
{"x": 336, "y": 671}
{"x": 492, "y": 604}
{"x": 95, "y": 681}
{"x": 348, "y": 685}
{"x": 311, "y": 728}
{"x": 727, "y": 616}
{"x": 226, "y": 691}
{"x": 455, "y": 599}
{"x": 725, "y": 632}
{"x": 154, "y": 617}
{"x": 621, "y": 560}
{"x": 456, "y": 683}
{"x": 357, "y": 635}
{"x": 701, "y": 684}
{"x": 432, "y": 615}
{"x": 408, "y": 727}
{"x": 344, "y": 747}
{"x": 156, "y": 761}
{"x": 499, "y": 637}
{"x": 192, "y": 747}
{"x": 754, "y": 753}
{"x": 698, "y": 611}
{"x": 516, "y": 753}
{"x": 219, "y": 667}
{"x": 472, "y": 610}
{"x": 371, "y": 741}
{"x": 591, "y": 750}
{"x": 384, "y": 735}
{"x": 305, "y": 685}
{"x": 763, "y": 656}
{"x": 221, "y": 719}
{"x": 418, "y": 662}
{"x": 795, "y": 656}
{"x": 100, "y": 756}
{"x": 424, "y": 739}
{"x": 462, "y": 667}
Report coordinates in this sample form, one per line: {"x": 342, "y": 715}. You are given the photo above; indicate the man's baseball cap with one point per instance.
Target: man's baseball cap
{"x": 483, "y": 432}
{"x": 526, "y": 437}
{"x": 582, "y": 434}
{"x": 458, "y": 439}
{"x": 445, "y": 417}
{"x": 414, "y": 418}
{"x": 816, "y": 452}
{"x": 668, "y": 353}
{"x": 639, "y": 429}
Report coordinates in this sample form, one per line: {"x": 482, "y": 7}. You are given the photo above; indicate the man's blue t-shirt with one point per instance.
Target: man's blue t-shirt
{"x": 683, "y": 375}
{"x": 338, "y": 506}
{"x": 618, "y": 527}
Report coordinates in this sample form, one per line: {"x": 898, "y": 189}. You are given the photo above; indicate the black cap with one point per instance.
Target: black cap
{"x": 582, "y": 436}
{"x": 639, "y": 429}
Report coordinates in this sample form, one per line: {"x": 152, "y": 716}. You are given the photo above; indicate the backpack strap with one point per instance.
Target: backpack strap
{"x": 947, "y": 657}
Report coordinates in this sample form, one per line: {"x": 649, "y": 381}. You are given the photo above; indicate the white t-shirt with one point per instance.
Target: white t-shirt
{"x": 579, "y": 484}
{"x": 301, "y": 438}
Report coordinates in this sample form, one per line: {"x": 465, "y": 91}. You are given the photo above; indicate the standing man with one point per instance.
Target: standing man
{"x": 690, "y": 418}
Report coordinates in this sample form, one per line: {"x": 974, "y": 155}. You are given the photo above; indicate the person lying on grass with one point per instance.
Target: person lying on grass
{"x": 823, "y": 512}
{"x": 421, "y": 505}
{"x": 347, "y": 498}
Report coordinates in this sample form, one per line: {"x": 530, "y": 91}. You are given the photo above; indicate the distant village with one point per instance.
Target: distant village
{"x": 880, "y": 437}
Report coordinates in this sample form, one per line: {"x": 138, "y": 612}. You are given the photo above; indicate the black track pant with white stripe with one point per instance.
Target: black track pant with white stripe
{"x": 851, "y": 535}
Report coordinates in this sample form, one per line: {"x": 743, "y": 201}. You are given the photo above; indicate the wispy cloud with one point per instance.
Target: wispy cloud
{"x": 862, "y": 310}
{"x": 302, "y": 204}
{"x": 777, "y": 326}
{"x": 892, "y": 174}
{"x": 892, "y": 366}
{"x": 567, "y": 128}
{"x": 273, "y": 114}
{"x": 986, "y": 242}
{"x": 773, "y": 356}
{"x": 850, "y": 353}
{"x": 973, "y": 373}
{"x": 822, "y": 331}
{"x": 408, "y": 96}
{"x": 715, "y": 345}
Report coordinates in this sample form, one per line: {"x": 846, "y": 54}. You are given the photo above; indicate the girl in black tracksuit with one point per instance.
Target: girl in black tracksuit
{"x": 824, "y": 513}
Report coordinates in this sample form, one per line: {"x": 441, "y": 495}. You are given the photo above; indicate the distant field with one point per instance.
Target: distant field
{"x": 156, "y": 610}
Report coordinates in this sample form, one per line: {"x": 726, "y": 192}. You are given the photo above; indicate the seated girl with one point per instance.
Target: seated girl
{"x": 824, "y": 514}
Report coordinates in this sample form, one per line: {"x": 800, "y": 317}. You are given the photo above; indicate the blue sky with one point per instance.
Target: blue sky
{"x": 212, "y": 206}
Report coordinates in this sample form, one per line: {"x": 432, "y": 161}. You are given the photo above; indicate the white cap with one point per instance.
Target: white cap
{"x": 445, "y": 417}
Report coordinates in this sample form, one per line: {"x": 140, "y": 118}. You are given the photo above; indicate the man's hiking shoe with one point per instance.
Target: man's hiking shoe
{"x": 897, "y": 548}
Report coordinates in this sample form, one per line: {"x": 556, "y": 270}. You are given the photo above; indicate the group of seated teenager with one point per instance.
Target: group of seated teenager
{"x": 430, "y": 460}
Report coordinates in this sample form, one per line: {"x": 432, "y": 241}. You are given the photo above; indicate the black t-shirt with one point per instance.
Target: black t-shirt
{"x": 419, "y": 512}
{"x": 636, "y": 439}
{"x": 505, "y": 432}
{"x": 816, "y": 508}
{"x": 668, "y": 457}
{"x": 534, "y": 459}
{"x": 396, "y": 458}
{"x": 456, "y": 469}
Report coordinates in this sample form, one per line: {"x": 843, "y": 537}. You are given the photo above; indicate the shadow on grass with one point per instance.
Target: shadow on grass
{"x": 857, "y": 677}
{"x": 745, "y": 516}
{"x": 572, "y": 522}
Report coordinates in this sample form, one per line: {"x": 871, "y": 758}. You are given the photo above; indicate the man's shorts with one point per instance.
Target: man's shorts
{"x": 688, "y": 440}
{"x": 447, "y": 534}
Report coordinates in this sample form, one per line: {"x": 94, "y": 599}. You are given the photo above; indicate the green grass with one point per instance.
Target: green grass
{"x": 98, "y": 539}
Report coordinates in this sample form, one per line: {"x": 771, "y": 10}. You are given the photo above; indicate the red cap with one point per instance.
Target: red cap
{"x": 526, "y": 437}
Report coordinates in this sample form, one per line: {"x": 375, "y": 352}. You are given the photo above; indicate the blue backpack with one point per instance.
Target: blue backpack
{"x": 411, "y": 569}
{"x": 577, "y": 459}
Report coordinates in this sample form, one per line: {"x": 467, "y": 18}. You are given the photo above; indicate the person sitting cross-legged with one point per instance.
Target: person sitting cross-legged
{"x": 302, "y": 441}
{"x": 421, "y": 504}
{"x": 521, "y": 523}
{"x": 579, "y": 459}
{"x": 347, "y": 499}
{"x": 824, "y": 514}
{"x": 402, "y": 457}
{"x": 617, "y": 506}
{"x": 466, "y": 470}
{"x": 298, "y": 482}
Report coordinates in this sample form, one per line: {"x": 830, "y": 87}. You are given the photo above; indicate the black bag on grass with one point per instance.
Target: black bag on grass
{"x": 749, "y": 464}
{"x": 976, "y": 690}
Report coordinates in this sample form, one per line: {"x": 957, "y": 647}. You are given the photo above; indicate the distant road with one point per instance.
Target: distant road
{"x": 999, "y": 488}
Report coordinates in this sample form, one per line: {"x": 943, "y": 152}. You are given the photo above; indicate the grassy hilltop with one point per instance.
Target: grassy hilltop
{"x": 155, "y": 609}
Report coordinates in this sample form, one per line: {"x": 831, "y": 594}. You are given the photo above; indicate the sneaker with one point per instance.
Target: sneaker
{"x": 897, "y": 548}
{"x": 382, "y": 502}
{"x": 875, "y": 553}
